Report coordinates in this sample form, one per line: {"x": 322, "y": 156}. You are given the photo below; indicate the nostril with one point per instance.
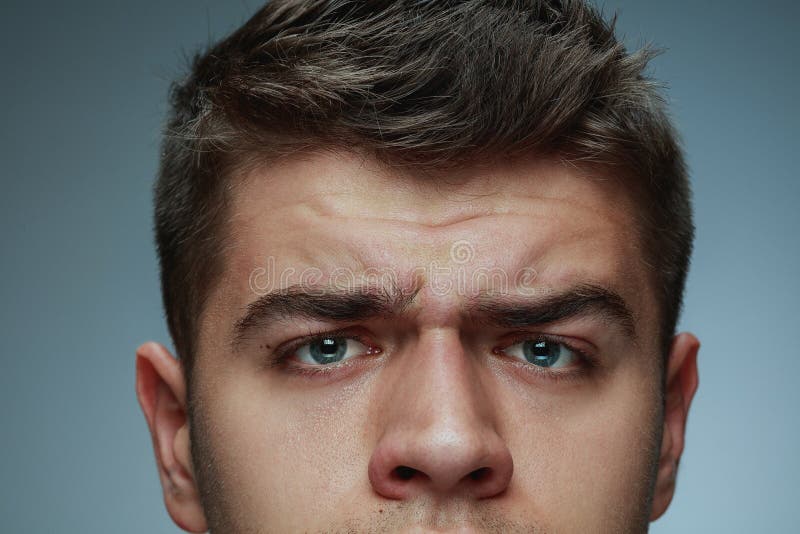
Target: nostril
{"x": 404, "y": 472}
{"x": 480, "y": 474}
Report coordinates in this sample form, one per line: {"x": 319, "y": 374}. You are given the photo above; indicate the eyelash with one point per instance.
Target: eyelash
{"x": 283, "y": 354}
{"x": 586, "y": 361}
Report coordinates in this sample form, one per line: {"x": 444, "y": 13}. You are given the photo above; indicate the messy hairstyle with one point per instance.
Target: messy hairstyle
{"x": 433, "y": 84}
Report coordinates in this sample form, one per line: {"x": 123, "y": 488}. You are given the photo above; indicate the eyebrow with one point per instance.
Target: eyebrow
{"x": 504, "y": 311}
{"x": 325, "y": 303}
{"x": 578, "y": 301}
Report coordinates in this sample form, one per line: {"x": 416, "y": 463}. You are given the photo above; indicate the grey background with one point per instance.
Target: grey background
{"x": 83, "y": 96}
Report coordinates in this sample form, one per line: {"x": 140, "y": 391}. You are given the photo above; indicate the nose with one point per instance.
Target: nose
{"x": 438, "y": 429}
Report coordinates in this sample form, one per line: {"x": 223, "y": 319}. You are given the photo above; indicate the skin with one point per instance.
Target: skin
{"x": 495, "y": 443}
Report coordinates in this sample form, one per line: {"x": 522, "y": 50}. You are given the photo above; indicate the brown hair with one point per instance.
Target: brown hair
{"x": 434, "y": 84}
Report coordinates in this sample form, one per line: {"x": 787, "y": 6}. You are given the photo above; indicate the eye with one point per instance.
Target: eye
{"x": 329, "y": 349}
{"x": 543, "y": 352}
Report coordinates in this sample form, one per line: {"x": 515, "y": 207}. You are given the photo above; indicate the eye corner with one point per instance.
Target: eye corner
{"x": 372, "y": 349}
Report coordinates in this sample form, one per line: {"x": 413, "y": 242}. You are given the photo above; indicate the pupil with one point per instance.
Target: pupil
{"x": 328, "y": 350}
{"x": 328, "y": 346}
{"x": 542, "y": 353}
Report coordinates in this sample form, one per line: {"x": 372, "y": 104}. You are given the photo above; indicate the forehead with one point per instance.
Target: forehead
{"x": 329, "y": 212}
{"x": 346, "y": 184}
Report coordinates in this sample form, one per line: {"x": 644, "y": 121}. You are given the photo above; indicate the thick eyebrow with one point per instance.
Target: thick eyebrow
{"x": 507, "y": 311}
{"x": 504, "y": 311}
{"x": 324, "y": 303}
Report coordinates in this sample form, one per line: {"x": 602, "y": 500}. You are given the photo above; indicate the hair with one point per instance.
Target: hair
{"x": 433, "y": 85}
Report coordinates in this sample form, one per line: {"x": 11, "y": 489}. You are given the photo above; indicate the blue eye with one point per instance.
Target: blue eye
{"x": 543, "y": 353}
{"x": 329, "y": 349}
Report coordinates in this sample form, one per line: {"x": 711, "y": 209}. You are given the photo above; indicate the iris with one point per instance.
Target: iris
{"x": 542, "y": 352}
{"x": 328, "y": 349}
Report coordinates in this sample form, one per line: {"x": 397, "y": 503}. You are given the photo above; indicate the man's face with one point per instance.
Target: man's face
{"x": 390, "y": 352}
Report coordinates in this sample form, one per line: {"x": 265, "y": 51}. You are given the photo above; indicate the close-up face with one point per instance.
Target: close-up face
{"x": 391, "y": 351}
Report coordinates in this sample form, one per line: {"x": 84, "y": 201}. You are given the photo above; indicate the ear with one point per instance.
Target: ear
{"x": 161, "y": 389}
{"x": 681, "y": 384}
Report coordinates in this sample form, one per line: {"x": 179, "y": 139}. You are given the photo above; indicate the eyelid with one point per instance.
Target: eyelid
{"x": 284, "y": 352}
{"x": 585, "y": 355}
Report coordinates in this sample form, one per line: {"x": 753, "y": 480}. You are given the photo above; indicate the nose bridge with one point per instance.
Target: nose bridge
{"x": 443, "y": 391}
{"x": 438, "y": 430}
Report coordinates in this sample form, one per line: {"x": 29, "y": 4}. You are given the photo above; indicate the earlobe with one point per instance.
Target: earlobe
{"x": 681, "y": 385}
{"x": 161, "y": 390}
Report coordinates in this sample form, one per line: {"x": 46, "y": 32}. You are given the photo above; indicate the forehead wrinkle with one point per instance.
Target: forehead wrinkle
{"x": 473, "y": 207}
{"x": 430, "y": 204}
{"x": 419, "y": 213}
{"x": 451, "y": 212}
{"x": 545, "y": 251}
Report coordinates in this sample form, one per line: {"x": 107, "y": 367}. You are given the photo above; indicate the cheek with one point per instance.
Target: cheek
{"x": 280, "y": 451}
{"x": 590, "y": 456}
